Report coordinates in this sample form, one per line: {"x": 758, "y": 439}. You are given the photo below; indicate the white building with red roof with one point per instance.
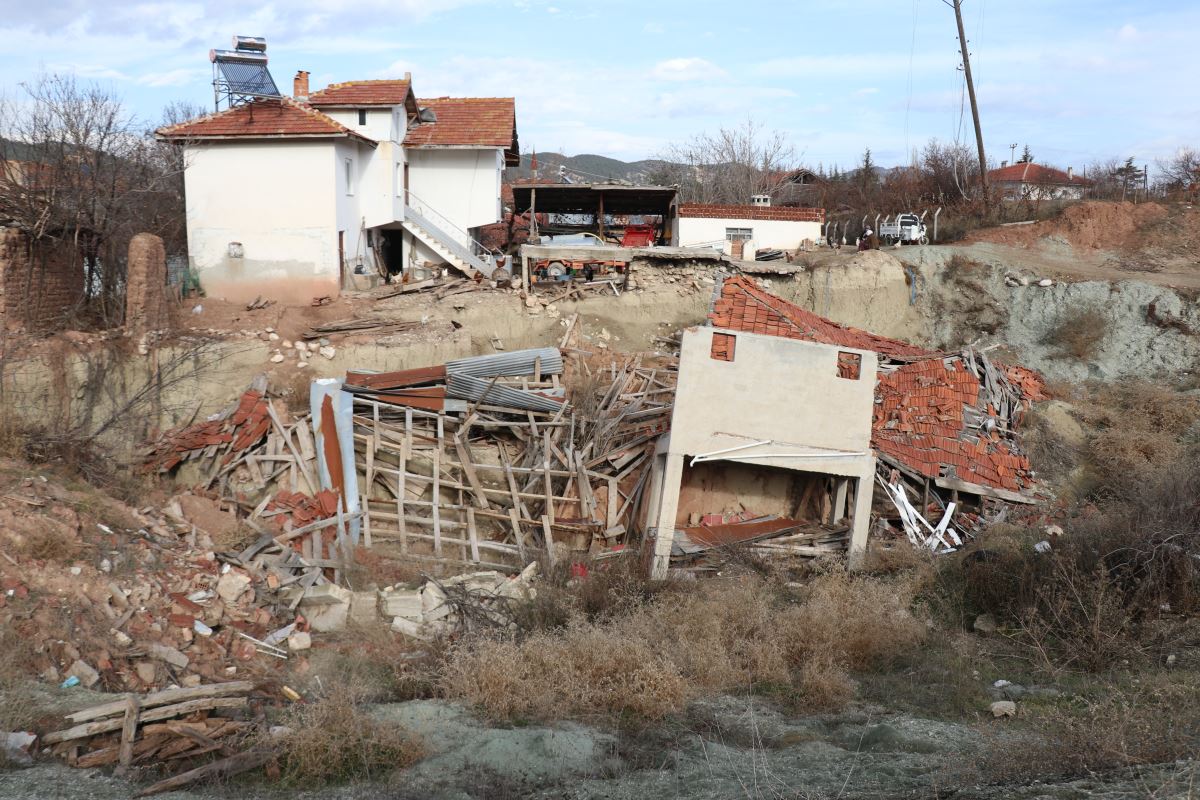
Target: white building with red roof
{"x": 289, "y": 197}
{"x": 1026, "y": 180}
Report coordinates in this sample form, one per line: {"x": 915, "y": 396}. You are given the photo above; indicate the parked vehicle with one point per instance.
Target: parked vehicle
{"x": 906, "y": 229}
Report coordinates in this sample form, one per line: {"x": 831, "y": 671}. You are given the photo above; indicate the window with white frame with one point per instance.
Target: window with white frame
{"x": 739, "y": 234}
{"x": 348, "y": 166}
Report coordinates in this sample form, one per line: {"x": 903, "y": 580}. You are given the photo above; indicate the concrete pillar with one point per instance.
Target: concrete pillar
{"x": 860, "y": 523}
{"x": 664, "y": 516}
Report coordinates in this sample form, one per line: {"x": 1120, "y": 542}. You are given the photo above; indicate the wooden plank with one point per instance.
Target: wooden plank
{"x": 164, "y": 697}
{"x": 468, "y": 468}
{"x": 154, "y": 715}
{"x": 234, "y": 765}
{"x": 128, "y": 732}
{"x": 549, "y": 539}
{"x": 437, "y": 487}
{"x": 313, "y": 485}
{"x": 472, "y": 534}
{"x": 515, "y": 520}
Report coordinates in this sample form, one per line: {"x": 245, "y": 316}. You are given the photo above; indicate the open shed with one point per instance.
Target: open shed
{"x": 595, "y": 207}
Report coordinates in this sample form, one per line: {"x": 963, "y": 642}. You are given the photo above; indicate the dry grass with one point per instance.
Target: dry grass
{"x": 1079, "y": 333}
{"x": 1139, "y": 428}
{"x": 333, "y": 739}
{"x": 1153, "y": 719}
{"x": 718, "y": 636}
{"x": 384, "y": 666}
{"x": 51, "y": 542}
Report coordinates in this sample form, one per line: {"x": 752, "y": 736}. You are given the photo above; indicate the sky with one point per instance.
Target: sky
{"x": 1076, "y": 80}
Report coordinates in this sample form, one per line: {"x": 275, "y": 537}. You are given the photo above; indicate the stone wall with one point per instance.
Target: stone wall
{"x": 39, "y": 287}
{"x": 146, "y": 305}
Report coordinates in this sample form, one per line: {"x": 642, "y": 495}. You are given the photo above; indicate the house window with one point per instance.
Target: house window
{"x": 723, "y": 345}
{"x": 849, "y": 365}
{"x": 348, "y": 164}
{"x": 362, "y": 116}
{"x": 739, "y": 234}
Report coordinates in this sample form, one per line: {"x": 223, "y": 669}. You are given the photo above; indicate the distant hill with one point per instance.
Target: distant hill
{"x": 586, "y": 168}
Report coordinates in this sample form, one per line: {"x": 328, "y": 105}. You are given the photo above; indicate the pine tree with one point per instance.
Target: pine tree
{"x": 1026, "y": 156}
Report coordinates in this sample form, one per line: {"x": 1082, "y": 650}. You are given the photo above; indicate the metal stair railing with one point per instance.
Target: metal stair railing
{"x": 438, "y": 224}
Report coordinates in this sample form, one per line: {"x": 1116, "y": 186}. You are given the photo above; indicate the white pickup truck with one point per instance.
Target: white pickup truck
{"x": 906, "y": 229}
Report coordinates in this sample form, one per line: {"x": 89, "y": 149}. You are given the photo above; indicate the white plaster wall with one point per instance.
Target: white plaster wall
{"x": 780, "y": 234}
{"x": 275, "y": 197}
{"x": 777, "y": 389}
{"x": 381, "y": 124}
{"x": 462, "y": 185}
{"x": 380, "y": 178}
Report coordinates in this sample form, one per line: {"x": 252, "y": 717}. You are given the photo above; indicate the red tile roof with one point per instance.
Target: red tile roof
{"x": 363, "y": 93}
{"x": 781, "y": 213}
{"x": 1028, "y": 172}
{"x": 468, "y": 122}
{"x": 920, "y": 419}
{"x": 743, "y": 306}
{"x": 273, "y": 118}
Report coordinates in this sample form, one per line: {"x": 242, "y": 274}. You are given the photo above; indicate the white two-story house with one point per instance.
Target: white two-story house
{"x": 287, "y": 197}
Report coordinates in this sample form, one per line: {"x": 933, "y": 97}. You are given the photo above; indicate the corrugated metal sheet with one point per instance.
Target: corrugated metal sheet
{"x": 518, "y": 362}
{"x": 396, "y": 379}
{"x": 467, "y": 387}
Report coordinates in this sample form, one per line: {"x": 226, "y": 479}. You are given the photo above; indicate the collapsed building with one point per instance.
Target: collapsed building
{"x": 779, "y": 440}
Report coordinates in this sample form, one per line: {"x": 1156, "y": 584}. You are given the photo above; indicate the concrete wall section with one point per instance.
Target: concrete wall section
{"x": 775, "y": 389}
{"x": 277, "y": 199}
{"x": 774, "y": 402}
{"x": 780, "y": 234}
{"x": 462, "y": 185}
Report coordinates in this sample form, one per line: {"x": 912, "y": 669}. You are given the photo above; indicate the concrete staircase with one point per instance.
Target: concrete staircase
{"x": 445, "y": 245}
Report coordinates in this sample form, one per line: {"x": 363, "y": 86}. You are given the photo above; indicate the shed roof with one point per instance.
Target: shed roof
{"x": 584, "y": 198}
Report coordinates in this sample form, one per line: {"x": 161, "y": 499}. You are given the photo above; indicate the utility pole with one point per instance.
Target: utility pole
{"x": 966, "y": 60}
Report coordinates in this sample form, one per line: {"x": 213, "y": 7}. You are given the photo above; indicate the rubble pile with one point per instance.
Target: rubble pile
{"x": 136, "y": 605}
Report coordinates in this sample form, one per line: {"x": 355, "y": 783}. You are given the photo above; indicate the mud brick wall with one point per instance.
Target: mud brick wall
{"x": 39, "y": 287}
{"x": 146, "y": 306}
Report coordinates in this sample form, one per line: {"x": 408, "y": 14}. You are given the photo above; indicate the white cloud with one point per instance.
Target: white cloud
{"x": 1128, "y": 33}
{"x": 687, "y": 69}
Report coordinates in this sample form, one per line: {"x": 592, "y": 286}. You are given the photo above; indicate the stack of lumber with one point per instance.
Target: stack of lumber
{"x": 174, "y": 725}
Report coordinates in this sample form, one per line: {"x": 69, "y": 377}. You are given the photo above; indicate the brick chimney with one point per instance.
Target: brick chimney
{"x": 1070, "y": 173}
{"x": 300, "y": 86}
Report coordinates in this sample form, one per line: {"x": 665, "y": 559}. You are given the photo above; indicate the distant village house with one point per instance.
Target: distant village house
{"x": 1029, "y": 181}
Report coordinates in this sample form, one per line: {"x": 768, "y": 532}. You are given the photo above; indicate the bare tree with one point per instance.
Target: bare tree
{"x": 81, "y": 176}
{"x": 1181, "y": 174}
{"x": 729, "y": 166}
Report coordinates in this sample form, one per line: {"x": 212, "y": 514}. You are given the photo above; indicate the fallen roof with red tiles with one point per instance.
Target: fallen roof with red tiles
{"x": 274, "y": 118}
{"x": 744, "y": 306}
{"x": 937, "y": 415}
{"x": 352, "y": 94}
{"x": 468, "y": 122}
